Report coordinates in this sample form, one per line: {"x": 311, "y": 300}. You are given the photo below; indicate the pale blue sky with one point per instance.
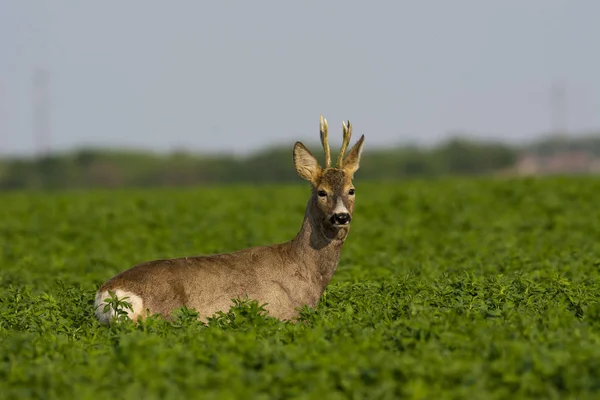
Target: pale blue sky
{"x": 236, "y": 76}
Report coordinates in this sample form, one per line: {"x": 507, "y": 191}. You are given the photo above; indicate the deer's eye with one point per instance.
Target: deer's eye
{"x": 322, "y": 193}
{"x": 351, "y": 192}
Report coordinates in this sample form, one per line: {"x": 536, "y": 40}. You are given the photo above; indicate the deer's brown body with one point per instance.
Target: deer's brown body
{"x": 285, "y": 276}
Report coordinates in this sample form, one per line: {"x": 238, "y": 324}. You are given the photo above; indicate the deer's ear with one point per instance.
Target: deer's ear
{"x": 352, "y": 160}
{"x": 305, "y": 163}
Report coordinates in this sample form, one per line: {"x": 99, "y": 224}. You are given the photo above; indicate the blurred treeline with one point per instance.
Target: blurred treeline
{"x": 94, "y": 168}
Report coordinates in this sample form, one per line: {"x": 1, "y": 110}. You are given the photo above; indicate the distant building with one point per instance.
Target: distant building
{"x": 560, "y": 162}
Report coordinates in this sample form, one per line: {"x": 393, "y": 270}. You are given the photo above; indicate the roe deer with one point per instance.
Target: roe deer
{"x": 285, "y": 276}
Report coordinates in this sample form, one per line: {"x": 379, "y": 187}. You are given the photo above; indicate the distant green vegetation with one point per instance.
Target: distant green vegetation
{"x": 106, "y": 168}
{"x": 446, "y": 289}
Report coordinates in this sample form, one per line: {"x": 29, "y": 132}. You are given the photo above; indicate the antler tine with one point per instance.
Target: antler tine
{"x": 325, "y": 142}
{"x": 345, "y": 142}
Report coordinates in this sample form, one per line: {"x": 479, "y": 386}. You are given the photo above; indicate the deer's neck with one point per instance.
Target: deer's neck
{"x": 317, "y": 253}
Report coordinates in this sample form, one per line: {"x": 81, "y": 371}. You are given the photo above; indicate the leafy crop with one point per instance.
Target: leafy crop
{"x": 446, "y": 289}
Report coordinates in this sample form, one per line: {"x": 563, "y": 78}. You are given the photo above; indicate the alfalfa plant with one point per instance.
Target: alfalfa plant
{"x": 119, "y": 305}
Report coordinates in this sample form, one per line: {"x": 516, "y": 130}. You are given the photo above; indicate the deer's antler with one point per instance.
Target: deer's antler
{"x": 346, "y": 140}
{"x": 325, "y": 142}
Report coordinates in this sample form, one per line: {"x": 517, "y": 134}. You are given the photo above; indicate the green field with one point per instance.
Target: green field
{"x": 449, "y": 289}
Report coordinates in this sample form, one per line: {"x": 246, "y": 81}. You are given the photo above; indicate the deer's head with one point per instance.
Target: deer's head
{"x": 333, "y": 194}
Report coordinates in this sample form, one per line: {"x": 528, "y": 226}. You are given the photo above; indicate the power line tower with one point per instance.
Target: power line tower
{"x": 41, "y": 112}
{"x": 3, "y": 128}
{"x": 558, "y": 99}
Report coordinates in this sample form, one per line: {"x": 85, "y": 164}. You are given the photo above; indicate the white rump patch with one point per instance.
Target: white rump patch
{"x": 123, "y": 295}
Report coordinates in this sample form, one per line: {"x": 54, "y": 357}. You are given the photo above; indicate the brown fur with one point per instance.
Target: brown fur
{"x": 285, "y": 276}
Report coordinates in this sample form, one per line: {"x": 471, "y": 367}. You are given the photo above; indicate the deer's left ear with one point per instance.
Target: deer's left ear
{"x": 352, "y": 160}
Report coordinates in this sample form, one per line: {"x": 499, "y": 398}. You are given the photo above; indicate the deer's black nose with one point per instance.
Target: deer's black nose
{"x": 341, "y": 218}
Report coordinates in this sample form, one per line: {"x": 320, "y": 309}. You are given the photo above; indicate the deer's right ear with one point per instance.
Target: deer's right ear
{"x": 305, "y": 163}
